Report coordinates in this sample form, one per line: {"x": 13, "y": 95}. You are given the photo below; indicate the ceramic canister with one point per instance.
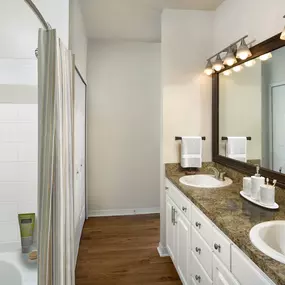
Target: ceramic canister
{"x": 256, "y": 182}
{"x": 247, "y": 185}
{"x": 267, "y": 194}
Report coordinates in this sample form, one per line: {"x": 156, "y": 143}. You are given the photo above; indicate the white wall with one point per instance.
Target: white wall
{"x": 15, "y": 71}
{"x": 78, "y": 38}
{"x": 18, "y": 166}
{"x": 240, "y": 108}
{"x": 123, "y": 127}
{"x": 56, "y": 13}
{"x": 260, "y": 19}
{"x": 186, "y": 43}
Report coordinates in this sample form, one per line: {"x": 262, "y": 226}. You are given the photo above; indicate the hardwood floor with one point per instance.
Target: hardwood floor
{"x": 122, "y": 251}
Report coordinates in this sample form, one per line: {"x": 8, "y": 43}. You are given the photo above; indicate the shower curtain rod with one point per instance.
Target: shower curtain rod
{"x": 38, "y": 14}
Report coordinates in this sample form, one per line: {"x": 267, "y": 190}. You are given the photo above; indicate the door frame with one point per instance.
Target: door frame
{"x": 85, "y": 164}
{"x": 271, "y": 87}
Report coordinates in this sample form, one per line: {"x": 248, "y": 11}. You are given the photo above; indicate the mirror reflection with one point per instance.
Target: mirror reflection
{"x": 252, "y": 111}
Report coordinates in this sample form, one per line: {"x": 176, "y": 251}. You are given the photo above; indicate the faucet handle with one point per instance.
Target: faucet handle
{"x": 257, "y": 169}
{"x": 222, "y": 176}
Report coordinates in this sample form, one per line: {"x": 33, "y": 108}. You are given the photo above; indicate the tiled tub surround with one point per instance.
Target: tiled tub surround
{"x": 18, "y": 166}
{"x": 233, "y": 215}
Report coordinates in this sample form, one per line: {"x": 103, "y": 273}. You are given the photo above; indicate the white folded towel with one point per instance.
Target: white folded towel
{"x": 236, "y": 148}
{"x": 191, "y": 152}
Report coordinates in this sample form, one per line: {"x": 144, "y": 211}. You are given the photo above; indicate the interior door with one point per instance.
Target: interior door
{"x": 277, "y": 128}
{"x": 79, "y": 156}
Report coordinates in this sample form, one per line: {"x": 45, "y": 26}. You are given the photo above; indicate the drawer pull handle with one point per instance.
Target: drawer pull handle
{"x": 166, "y": 188}
{"x": 217, "y": 247}
{"x": 184, "y": 209}
{"x": 198, "y": 250}
{"x": 174, "y": 218}
{"x": 198, "y": 278}
{"x": 198, "y": 225}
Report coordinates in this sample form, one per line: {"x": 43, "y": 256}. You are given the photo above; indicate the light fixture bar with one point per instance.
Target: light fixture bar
{"x": 226, "y": 49}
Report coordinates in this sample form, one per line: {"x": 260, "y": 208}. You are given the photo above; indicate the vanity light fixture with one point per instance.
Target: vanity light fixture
{"x": 282, "y": 37}
{"x": 218, "y": 64}
{"x": 237, "y": 68}
{"x": 209, "y": 68}
{"x": 250, "y": 63}
{"x": 227, "y": 72}
{"x": 243, "y": 51}
{"x": 230, "y": 58}
{"x": 266, "y": 56}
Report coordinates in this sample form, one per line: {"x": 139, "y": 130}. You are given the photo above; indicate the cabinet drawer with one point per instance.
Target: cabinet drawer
{"x": 221, "y": 275}
{"x": 182, "y": 202}
{"x": 202, "y": 224}
{"x": 198, "y": 274}
{"x": 173, "y": 193}
{"x": 168, "y": 185}
{"x": 185, "y": 206}
{"x": 222, "y": 247}
{"x": 245, "y": 271}
{"x": 202, "y": 251}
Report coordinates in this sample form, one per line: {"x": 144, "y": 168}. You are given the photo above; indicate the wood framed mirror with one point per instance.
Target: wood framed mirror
{"x": 251, "y": 104}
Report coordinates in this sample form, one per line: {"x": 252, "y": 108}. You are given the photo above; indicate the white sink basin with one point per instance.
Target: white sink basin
{"x": 204, "y": 181}
{"x": 269, "y": 237}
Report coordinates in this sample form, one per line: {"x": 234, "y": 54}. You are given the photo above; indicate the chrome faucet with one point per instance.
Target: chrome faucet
{"x": 218, "y": 174}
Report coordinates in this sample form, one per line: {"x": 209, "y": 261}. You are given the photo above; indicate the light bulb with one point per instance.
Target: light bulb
{"x": 243, "y": 55}
{"x": 218, "y": 64}
{"x": 230, "y": 59}
{"x": 243, "y": 51}
{"x": 250, "y": 63}
{"x": 209, "y": 69}
{"x": 266, "y": 56}
{"x": 238, "y": 68}
{"x": 227, "y": 72}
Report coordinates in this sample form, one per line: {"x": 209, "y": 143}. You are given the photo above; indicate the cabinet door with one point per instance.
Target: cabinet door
{"x": 183, "y": 244}
{"x": 170, "y": 228}
{"x": 221, "y": 275}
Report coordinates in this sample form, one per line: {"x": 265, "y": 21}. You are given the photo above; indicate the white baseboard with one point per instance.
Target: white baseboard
{"x": 123, "y": 212}
{"x": 162, "y": 250}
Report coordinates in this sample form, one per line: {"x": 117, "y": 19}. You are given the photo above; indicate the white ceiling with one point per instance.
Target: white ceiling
{"x": 136, "y": 20}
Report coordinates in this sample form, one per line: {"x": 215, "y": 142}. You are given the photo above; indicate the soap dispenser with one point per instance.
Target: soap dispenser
{"x": 256, "y": 181}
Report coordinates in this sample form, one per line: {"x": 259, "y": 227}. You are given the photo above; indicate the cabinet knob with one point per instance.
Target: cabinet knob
{"x": 198, "y": 250}
{"x": 198, "y": 225}
{"x": 198, "y": 278}
{"x": 166, "y": 188}
{"x": 184, "y": 209}
{"x": 217, "y": 247}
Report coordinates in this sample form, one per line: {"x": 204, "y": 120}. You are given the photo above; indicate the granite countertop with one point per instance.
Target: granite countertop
{"x": 234, "y": 215}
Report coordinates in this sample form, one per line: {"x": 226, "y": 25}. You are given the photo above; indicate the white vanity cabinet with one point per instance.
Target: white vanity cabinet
{"x": 201, "y": 253}
{"x": 182, "y": 229}
{"x": 170, "y": 229}
{"x": 178, "y": 231}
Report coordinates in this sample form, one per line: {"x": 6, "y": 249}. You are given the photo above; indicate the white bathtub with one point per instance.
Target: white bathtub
{"x": 15, "y": 269}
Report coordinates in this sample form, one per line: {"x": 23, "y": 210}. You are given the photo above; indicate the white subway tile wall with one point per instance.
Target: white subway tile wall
{"x": 18, "y": 166}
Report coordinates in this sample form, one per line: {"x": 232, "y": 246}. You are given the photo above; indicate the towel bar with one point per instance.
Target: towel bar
{"x": 226, "y": 138}
{"x": 179, "y": 138}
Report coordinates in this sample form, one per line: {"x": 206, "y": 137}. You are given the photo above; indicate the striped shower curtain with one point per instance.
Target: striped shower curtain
{"x": 55, "y": 191}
